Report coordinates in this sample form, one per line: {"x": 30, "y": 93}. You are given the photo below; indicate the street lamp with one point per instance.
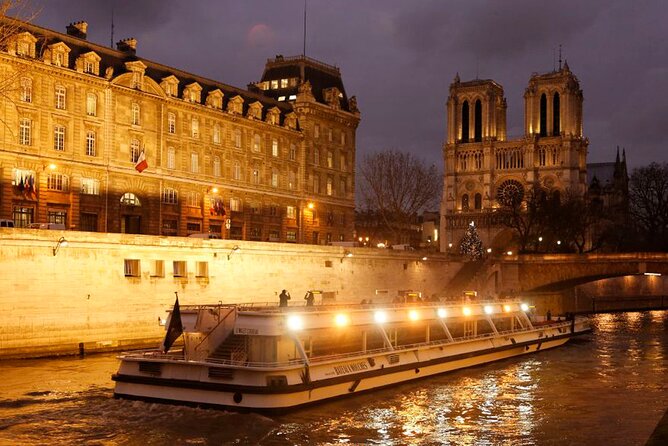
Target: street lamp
{"x": 61, "y": 242}
{"x": 234, "y": 249}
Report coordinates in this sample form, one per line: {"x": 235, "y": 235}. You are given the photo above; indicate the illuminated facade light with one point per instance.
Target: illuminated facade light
{"x": 441, "y": 312}
{"x": 380, "y": 317}
{"x": 295, "y": 323}
{"x": 509, "y": 253}
{"x": 524, "y": 307}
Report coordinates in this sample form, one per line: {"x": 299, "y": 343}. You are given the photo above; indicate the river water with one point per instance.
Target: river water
{"x": 607, "y": 388}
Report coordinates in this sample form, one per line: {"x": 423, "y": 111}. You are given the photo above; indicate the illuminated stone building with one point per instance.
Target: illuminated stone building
{"x": 483, "y": 168}
{"x": 272, "y": 162}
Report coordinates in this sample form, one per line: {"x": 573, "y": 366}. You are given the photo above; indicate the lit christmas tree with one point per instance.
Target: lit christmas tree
{"x": 471, "y": 244}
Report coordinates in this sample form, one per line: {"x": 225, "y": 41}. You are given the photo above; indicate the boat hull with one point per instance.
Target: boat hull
{"x": 412, "y": 365}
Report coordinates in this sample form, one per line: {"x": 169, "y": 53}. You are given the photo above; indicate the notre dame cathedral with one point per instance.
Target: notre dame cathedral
{"x": 484, "y": 169}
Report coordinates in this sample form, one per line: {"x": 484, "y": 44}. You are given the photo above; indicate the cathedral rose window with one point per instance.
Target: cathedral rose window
{"x": 510, "y": 193}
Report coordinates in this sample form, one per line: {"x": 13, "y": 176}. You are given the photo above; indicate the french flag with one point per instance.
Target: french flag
{"x": 141, "y": 164}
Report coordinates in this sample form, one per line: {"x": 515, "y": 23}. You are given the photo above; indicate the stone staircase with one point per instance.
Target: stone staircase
{"x": 467, "y": 278}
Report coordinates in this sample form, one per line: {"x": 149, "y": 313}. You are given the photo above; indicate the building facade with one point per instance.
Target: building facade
{"x": 272, "y": 162}
{"x": 484, "y": 169}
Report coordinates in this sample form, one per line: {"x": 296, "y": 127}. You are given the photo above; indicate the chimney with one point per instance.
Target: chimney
{"x": 77, "y": 29}
{"x": 128, "y": 45}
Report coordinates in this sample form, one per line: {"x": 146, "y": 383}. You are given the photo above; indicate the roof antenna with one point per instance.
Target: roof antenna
{"x": 477, "y": 67}
{"x": 111, "y": 42}
{"x": 559, "y": 57}
{"x": 554, "y": 59}
{"x": 304, "y": 52}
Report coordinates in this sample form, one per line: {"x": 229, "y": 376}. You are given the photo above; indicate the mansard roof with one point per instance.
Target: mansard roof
{"x": 320, "y": 75}
{"x": 112, "y": 58}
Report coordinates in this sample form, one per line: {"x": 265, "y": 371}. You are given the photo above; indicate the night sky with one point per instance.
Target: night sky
{"x": 399, "y": 57}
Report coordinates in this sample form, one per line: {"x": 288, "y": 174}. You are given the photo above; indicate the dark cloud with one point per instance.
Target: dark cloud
{"x": 399, "y": 56}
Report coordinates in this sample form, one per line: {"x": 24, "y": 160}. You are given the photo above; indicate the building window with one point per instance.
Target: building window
{"x": 130, "y": 199}
{"x": 256, "y": 176}
{"x": 23, "y": 216}
{"x": 57, "y": 217}
{"x": 136, "y": 112}
{"x": 342, "y": 162}
{"x": 330, "y": 159}
{"x": 330, "y": 135}
{"x": 169, "y": 227}
{"x": 293, "y": 152}
{"x": 88, "y": 222}
{"x": 273, "y": 210}
{"x": 89, "y": 67}
{"x": 235, "y": 205}
{"x": 290, "y": 212}
{"x": 274, "y": 235}
{"x": 135, "y": 150}
{"x": 57, "y": 182}
{"x": 26, "y": 89}
{"x": 132, "y": 268}
{"x": 171, "y": 123}
{"x": 25, "y": 131}
{"x": 171, "y": 157}
{"x": 316, "y": 131}
{"x": 316, "y": 184}
{"x": 274, "y": 84}
{"x": 216, "y": 134}
{"x": 59, "y": 138}
{"x": 255, "y": 233}
{"x": 465, "y": 202}
{"x": 157, "y": 268}
{"x": 256, "y": 143}
{"x": 195, "y": 128}
{"x": 202, "y": 270}
{"x": 342, "y": 187}
{"x": 193, "y": 227}
{"x": 194, "y": 162}
{"x": 91, "y": 104}
{"x": 292, "y": 180}
{"x": 237, "y": 171}
{"x": 237, "y": 138}
{"x": 90, "y": 143}
{"x": 179, "y": 268}
{"x": 274, "y": 147}
{"x": 316, "y": 157}
{"x": 23, "y": 180}
{"x": 216, "y": 166}
{"x": 194, "y": 200}
{"x": 291, "y": 236}
{"x": 343, "y": 138}
{"x": 329, "y": 186}
{"x": 60, "y": 97}
{"x": 170, "y": 196}
{"x": 478, "y": 201}
{"x": 90, "y": 186}
{"x": 274, "y": 178}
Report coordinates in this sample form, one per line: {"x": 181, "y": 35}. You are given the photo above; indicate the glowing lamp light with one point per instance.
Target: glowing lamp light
{"x": 380, "y": 245}
{"x": 524, "y": 307}
{"x": 540, "y": 239}
{"x": 310, "y": 205}
{"x": 489, "y": 309}
{"x": 413, "y": 315}
{"x": 380, "y": 317}
{"x": 558, "y": 242}
{"x": 341, "y": 320}
{"x": 506, "y": 308}
{"x": 653, "y": 274}
{"x": 489, "y": 250}
{"x": 441, "y": 313}
{"x": 466, "y": 311}
{"x": 424, "y": 259}
{"x": 509, "y": 253}
{"x": 295, "y": 323}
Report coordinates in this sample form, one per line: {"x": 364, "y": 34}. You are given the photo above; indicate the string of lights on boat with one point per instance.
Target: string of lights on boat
{"x": 295, "y": 322}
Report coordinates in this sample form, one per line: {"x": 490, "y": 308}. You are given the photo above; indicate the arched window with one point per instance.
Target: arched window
{"x": 135, "y": 114}
{"x": 465, "y": 202}
{"x": 478, "y": 201}
{"x": 130, "y": 199}
{"x": 135, "y": 150}
{"x": 556, "y": 117}
{"x": 477, "y": 122}
{"x": 465, "y": 121}
{"x": 26, "y": 89}
{"x": 543, "y": 115}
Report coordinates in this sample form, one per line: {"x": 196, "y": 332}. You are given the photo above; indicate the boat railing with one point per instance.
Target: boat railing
{"x": 232, "y": 310}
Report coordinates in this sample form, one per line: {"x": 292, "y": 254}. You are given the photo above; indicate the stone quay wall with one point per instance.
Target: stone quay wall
{"x": 107, "y": 291}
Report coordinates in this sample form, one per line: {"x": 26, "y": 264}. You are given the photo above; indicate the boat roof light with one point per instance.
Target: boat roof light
{"x": 441, "y": 312}
{"x": 295, "y": 322}
{"x": 341, "y": 320}
{"x": 466, "y": 311}
{"x": 506, "y": 308}
{"x": 413, "y": 315}
{"x": 524, "y": 307}
{"x": 380, "y": 317}
{"x": 489, "y": 309}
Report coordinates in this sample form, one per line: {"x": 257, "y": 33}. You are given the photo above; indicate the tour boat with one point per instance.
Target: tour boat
{"x": 269, "y": 358}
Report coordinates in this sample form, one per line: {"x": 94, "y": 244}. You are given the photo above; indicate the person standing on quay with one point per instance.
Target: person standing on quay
{"x": 284, "y": 297}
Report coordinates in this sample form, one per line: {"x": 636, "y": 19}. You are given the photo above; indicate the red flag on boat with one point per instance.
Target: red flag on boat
{"x": 141, "y": 164}
{"x": 175, "y": 328}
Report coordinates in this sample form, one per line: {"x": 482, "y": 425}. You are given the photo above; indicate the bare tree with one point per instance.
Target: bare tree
{"x": 648, "y": 198}
{"x": 397, "y": 186}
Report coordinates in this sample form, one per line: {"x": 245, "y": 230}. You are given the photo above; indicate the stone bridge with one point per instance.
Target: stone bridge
{"x": 556, "y": 272}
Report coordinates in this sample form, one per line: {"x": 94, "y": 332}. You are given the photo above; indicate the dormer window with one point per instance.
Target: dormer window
{"x": 291, "y": 121}
{"x": 170, "y": 85}
{"x": 235, "y": 105}
{"x": 284, "y": 83}
{"x": 215, "y": 99}
{"x": 88, "y": 63}
{"x": 59, "y": 53}
{"x": 137, "y": 68}
{"x": 273, "y": 116}
{"x": 255, "y": 110}
{"x": 193, "y": 93}
{"x": 25, "y": 44}
{"x": 274, "y": 84}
